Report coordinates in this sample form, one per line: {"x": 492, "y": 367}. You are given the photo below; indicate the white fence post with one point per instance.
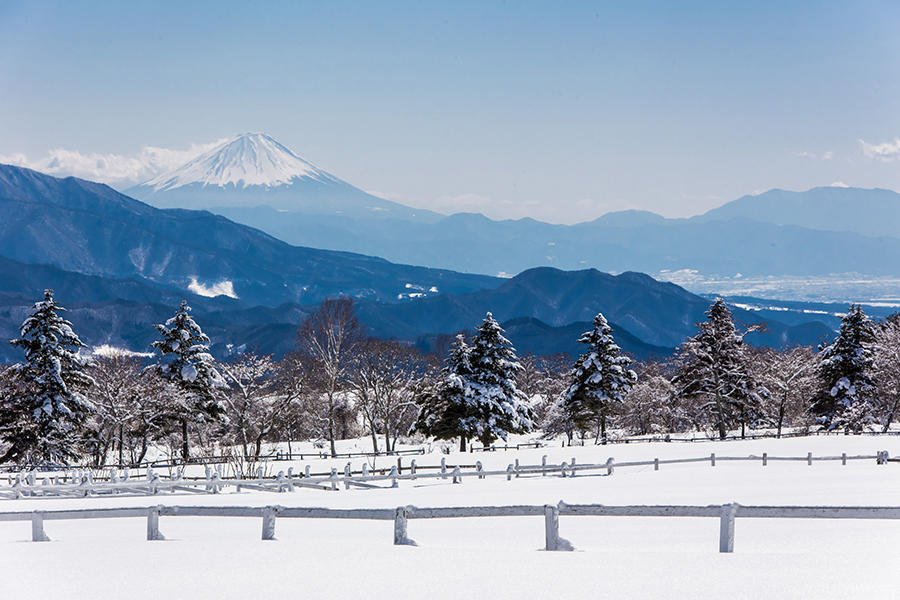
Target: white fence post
{"x": 37, "y": 527}
{"x": 551, "y": 530}
{"x": 562, "y": 469}
{"x": 610, "y": 462}
{"x": 517, "y": 467}
{"x": 479, "y": 468}
{"x": 412, "y": 469}
{"x": 765, "y": 458}
{"x": 712, "y": 459}
{"x": 400, "y": 532}
{"x": 572, "y": 467}
{"x": 333, "y": 478}
{"x": 347, "y": 476}
{"x": 509, "y": 472}
{"x": 457, "y": 475}
{"x": 268, "y": 523}
{"x": 153, "y": 524}
{"x": 394, "y": 474}
{"x": 443, "y": 468}
{"x": 656, "y": 464}
{"x": 809, "y": 458}
{"x": 726, "y": 527}
{"x": 544, "y": 466}
{"x": 551, "y": 527}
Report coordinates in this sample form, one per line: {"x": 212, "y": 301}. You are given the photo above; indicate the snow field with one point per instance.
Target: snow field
{"x": 498, "y": 557}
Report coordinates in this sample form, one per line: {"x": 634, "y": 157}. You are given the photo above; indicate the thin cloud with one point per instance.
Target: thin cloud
{"x": 886, "y": 151}
{"x": 114, "y": 169}
{"x": 827, "y": 155}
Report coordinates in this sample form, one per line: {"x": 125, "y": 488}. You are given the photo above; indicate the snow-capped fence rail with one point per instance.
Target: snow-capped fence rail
{"x": 726, "y": 513}
{"x": 83, "y": 483}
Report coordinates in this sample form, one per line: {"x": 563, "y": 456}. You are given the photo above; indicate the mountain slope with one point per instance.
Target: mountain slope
{"x": 252, "y": 170}
{"x": 657, "y": 313}
{"x": 474, "y": 243}
{"x": 874, "y": 212}
{"x": 543, "y": 310}
{"x": 89, "y": 228}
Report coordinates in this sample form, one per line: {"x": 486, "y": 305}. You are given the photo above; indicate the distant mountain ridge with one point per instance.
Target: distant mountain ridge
{"x": 867, "y": 212}
{"x": 121, "y": 265}
{"x": 819, "y": 232}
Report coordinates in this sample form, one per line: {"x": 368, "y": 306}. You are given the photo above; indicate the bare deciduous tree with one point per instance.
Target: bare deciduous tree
{"x": 330, "y": 336}
{"x": 384, "y": 381}
{"x": 887, "y": 370}
{"x": 253, "y": 400}
{"x": 790, "y": 377}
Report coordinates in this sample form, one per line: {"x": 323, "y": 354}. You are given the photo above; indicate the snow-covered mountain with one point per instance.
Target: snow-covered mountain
{"x": 252, "y": 170}
{"x": 245, "y": 160}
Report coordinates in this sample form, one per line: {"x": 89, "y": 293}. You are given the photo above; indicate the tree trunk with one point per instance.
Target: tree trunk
{"x": 890, "y": 417}
{"x": 374, "y": 438}
{"x": 331, "y": 424}
{"x": 603, "y": 429}
{"x": 462, "y": 443}
{"x": 121, "y": 445}
{"x": 781, "y": 413}
{"x": 185, "y": 451}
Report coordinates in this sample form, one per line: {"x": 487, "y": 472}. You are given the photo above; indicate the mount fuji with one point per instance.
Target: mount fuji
{"x": 253, "y": 170}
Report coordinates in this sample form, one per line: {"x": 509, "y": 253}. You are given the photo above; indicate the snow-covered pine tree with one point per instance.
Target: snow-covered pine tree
{"x": 714, "y": 369}
{"x": 44, "y": 421}
{"x": 185, "y": 360}
{"x": 600, "y": 379}
{"x": 496, "y": 406}
{"x": 444, "y": 413}
{"x": 845, "y": 399}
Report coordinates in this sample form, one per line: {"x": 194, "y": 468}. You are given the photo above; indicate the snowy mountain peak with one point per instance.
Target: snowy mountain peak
{"x": 249, "y": 159}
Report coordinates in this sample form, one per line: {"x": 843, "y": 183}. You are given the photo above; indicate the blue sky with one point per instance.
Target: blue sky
{"x": 560, "y": 111}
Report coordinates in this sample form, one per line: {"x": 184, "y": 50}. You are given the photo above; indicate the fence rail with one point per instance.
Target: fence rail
{"x": 322, "y": 454}
{"x": 727, "y": 513}
{"x": 25, "y": 484}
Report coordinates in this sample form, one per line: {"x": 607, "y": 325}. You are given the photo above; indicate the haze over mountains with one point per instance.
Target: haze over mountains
{"x": 121, "y": 265}
{"x": 822, "y": 232}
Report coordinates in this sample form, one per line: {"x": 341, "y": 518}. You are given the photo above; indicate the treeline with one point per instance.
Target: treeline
{"x": 60, "y": 406}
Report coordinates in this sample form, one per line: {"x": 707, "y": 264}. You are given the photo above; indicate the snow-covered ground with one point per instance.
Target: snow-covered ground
{"x": 497, "y": 557}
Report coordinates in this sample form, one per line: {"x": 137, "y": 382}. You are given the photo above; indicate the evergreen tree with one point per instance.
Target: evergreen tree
{"x": 186, "y": 362}
{"x": 496, "y": 406}
{"x": 43, "y": 420}
{"x": 714, "y": 369}
{"x": 444, "y": 411}
{"x": 844, "y": 369}
{"x": 600, "y": 379}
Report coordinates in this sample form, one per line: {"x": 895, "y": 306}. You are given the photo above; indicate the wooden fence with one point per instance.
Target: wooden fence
{"x": 26, "y": 485}
{"x": 727, "y": 513}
